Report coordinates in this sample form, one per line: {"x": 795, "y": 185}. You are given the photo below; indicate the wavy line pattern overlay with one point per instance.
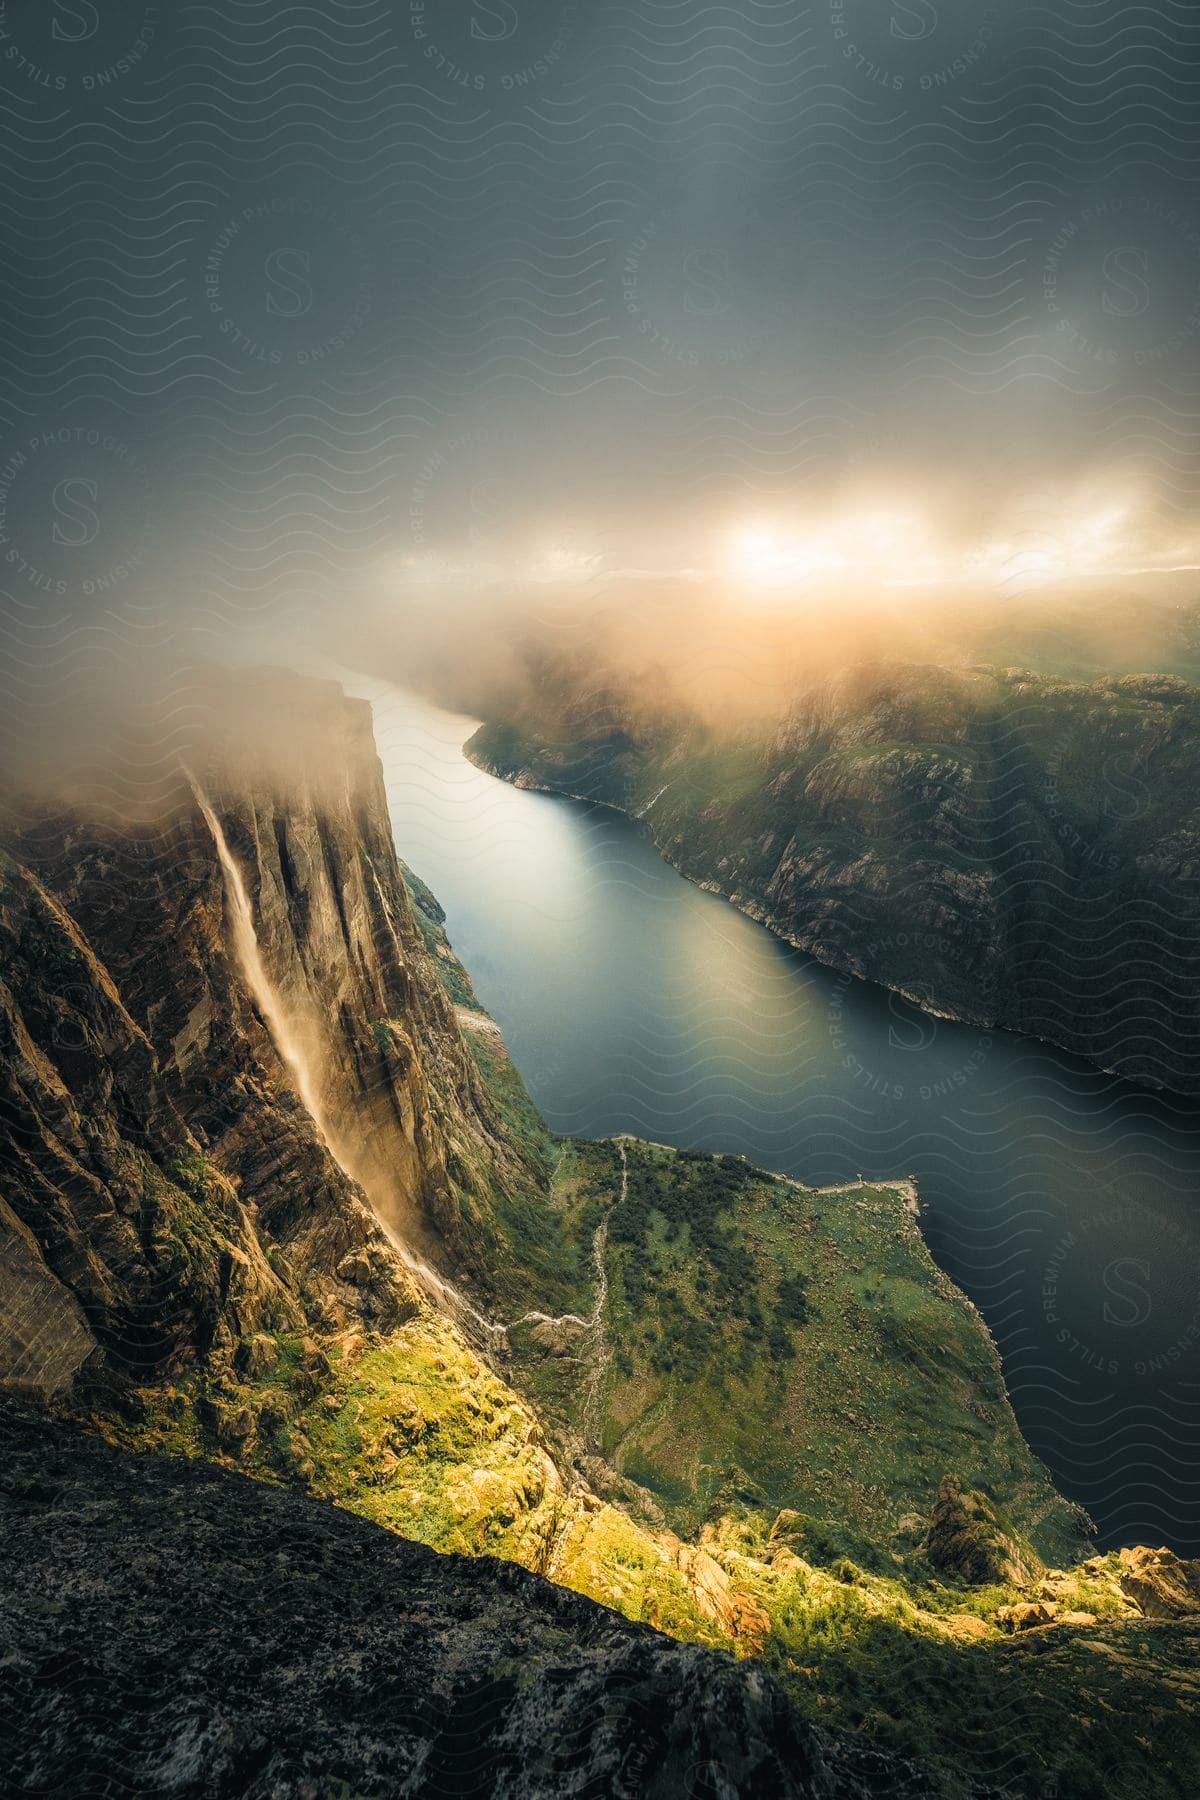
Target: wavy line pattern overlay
{"x": 297, "y": 294}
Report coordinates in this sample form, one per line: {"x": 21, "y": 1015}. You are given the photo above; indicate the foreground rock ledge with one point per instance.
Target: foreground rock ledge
{"x": 169, "y": 1628}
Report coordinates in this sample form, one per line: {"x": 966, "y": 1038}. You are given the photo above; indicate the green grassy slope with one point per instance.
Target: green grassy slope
{"x": 732, "y": 1424}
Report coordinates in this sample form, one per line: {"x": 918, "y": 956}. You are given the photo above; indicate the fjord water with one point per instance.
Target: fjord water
{"x": 1062, "y": 1200}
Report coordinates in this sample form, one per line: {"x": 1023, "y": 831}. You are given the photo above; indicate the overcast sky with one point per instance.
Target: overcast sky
{"x": 304, "y": 302}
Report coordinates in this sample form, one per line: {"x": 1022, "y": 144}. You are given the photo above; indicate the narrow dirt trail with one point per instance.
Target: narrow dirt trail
{"x": 590, "y": 1418}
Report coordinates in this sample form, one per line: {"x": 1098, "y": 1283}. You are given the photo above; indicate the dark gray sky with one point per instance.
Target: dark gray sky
{"x": 314, "y": 308}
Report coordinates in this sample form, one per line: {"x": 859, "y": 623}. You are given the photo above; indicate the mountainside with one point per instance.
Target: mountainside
{"x": 999, "y": 847}
{"x": 158, "y": 1111}
{"x": 172, "y": 1629}
{"x": 275, "y": 1197}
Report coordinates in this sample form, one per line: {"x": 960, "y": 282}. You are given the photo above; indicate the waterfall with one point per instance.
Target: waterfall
{"x": 288, "y": 1043}
{"x": 249, "y": 956}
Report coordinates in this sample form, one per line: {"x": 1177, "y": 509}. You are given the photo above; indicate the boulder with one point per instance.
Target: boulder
{"x": 1028, "y": 1615}
{"x": 258, "y": 1356}
{"x": 234, "y": 1425}
{"x": 738, "y": 1614}
{"x": 355, "y": 1268}
{"x": 1160, "y": 1584}
{"x": 559, "y": 1337}
{"x": 968, "y": 1541}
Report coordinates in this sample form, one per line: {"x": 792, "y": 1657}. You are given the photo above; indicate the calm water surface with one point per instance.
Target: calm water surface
{"x": 1064, "y": 1201}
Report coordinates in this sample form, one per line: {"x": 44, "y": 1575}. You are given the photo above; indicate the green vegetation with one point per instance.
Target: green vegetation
{"x": 1051, "y": 1713}
{"x": 431, "y": 921}
{"x": 796, "y": 1345}
{"x": 194, "y": 1174}
{"x": 779, "y": 1381}
{"x": 518, "y": 1114}
{"x": 955, "y": 833}
{"x": 793, "y": 1345}
{"x": 414, "y": 1432}
{"x": 528, "y": 1228}
{"x": 535, "y": 1228}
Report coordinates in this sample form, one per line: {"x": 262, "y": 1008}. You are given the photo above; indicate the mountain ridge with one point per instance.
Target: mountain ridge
{"x": 1003, "y": 848}
{"x": 213, "y": 1280}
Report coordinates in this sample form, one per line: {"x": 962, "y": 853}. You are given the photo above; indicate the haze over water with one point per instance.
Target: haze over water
{"x": 1061, "y": 1199}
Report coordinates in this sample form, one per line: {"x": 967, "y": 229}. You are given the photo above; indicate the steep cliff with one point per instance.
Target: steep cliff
{"x": 196, "y": 1163}
{"x": 274, "y": 1196}
{"x": 1000, "y": 847}
{"x": 173, "y": 1629}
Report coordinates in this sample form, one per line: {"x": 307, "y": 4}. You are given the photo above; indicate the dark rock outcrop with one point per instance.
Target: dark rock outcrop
{"x": 968, "y": 1541}
{"x": 173, "y": 1629}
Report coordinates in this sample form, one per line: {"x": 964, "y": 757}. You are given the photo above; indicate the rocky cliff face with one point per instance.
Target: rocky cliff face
{"x": 246, "y": 1151}
{"x": 170, "y": 1189}
{"x": 174, "y": 1629}
{"x": 1001, "y": 848}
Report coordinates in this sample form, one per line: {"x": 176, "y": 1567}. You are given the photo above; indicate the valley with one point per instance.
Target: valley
{"x": 1004, "y": 848}
{"x": 1059, "y": 1198}
{"x": 751, "y": 1413}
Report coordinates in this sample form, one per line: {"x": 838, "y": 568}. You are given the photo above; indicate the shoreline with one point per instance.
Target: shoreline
{"x": 752, "y": 909}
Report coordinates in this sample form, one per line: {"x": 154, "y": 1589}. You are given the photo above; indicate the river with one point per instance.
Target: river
{"x": 1062, "y": 1200}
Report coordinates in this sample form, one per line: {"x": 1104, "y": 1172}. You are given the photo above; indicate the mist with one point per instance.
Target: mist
{"x": 739, "y": 659}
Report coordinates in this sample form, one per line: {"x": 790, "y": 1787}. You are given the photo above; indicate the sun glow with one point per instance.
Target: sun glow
{"x": 866, "y": 544}
{"x": 1060, "y": 538}
{"x": 876, "y": 544}
{"x": 764, "y": 553}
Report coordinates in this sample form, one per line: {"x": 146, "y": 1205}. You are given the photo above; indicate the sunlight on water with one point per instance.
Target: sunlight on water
{"x": 1060, "y": 1198}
